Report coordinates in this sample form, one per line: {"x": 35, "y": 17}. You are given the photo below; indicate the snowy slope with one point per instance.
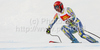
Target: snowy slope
{"x": 23, "y": 24}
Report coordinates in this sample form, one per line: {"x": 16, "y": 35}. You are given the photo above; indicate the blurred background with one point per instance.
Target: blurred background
{"x": 25, "y": 21}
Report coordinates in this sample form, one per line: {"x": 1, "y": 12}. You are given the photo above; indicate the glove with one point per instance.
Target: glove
{"x": 69, "y": 21}
{"x": 48, "y": 30}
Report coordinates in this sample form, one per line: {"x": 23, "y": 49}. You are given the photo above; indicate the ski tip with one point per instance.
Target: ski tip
{"x": 53, "y": 42}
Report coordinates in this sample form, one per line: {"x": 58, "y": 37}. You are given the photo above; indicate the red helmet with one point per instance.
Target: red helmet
{"x": 58, "y": 4}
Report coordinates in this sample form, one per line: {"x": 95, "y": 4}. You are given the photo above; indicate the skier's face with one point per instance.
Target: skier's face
{"x": 58, "y": 9}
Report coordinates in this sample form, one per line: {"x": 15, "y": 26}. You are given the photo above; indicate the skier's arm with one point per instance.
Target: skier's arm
{"x": 52, "y": 23}
{"x": 73, "y": 16}
{"x": 70, "y": 11}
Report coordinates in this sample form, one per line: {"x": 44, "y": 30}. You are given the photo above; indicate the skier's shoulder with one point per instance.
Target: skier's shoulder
{"x": 69, "y": 10}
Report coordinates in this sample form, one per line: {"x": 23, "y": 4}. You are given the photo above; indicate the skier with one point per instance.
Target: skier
{"x": 72, "y": 23}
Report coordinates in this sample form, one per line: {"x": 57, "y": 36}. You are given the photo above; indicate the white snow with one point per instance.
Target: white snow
{"x": 23, "y": 24}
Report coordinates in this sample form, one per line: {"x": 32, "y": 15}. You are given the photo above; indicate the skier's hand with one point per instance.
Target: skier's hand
{"x": 69, "y": 21}
{"x": 48, "y": 30}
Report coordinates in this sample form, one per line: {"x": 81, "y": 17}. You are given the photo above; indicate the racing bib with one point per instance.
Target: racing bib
{"x": 65, "y": 17}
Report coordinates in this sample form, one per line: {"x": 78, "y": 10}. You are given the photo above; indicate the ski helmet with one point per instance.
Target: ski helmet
{"x": 58, "y": 4}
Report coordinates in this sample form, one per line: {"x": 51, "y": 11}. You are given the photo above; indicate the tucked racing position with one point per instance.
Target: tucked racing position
{"x": 72, "y": 23}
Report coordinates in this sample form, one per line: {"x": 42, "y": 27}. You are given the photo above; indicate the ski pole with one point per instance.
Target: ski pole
{"x": 92, "y": 33}
{"x": 58, "y": 37}
{"x": 48, "y": 31}
{"x": 86, "y": 31}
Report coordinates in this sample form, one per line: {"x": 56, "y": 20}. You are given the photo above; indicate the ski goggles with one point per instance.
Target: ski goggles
{"x": 56, "y": 7}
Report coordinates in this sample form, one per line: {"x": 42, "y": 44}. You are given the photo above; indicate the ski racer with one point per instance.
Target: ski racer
{"x": 72, "y": 23}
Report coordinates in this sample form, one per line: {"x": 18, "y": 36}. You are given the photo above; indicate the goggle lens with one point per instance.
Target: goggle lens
{"x": 56, "y": 7}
